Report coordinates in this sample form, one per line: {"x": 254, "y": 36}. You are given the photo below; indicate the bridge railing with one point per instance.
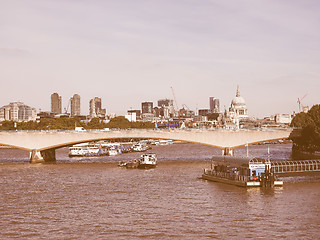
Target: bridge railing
{"x": 154, "y": 129}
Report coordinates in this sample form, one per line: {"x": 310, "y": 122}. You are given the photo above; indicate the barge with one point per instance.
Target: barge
{"x": 146, "y": 161}
{"x": 244, "y": 172}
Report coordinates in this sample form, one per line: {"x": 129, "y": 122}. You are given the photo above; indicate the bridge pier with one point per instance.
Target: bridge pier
{"x": 45, "y": 156}
{"x": 227, "y": 151}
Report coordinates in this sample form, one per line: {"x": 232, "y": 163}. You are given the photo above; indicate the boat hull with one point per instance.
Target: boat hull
{"x": 146, "y": 166}
{"x": 223, "y": 180}
{"x": 237, "y": 183}
{"x": 132, "y": 164}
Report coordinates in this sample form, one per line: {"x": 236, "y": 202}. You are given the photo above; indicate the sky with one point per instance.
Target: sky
{"x": 128, "y": 52}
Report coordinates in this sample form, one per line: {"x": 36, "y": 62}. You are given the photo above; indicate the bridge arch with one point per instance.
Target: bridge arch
{"x": 45, "y": 143}
{"x": 67, "y": 144}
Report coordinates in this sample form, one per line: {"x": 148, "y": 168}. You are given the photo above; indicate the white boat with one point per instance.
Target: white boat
{"x": 139, "y": 147}
{"x": 86, "y": 150}
{"x": 77, "y": 151}
{"x": 148, "y": 160}
{"x": 113, "y": 152}
{"x": 165, "y": 142}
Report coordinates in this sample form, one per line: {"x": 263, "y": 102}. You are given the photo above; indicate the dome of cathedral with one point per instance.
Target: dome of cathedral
{"x": 238, "y": 101}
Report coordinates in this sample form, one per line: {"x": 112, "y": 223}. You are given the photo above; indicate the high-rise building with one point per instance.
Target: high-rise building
{"x": 147, "y": 107}
{"x": 95, "y": 108}
{"x": 75, "y": 105}
{"x": 214, "y": 105}
{"x": 56, "y": 105}
{"x": 17, "y": 111}
{"x": 166, "y": 108}
{"x": 165, "y": 103}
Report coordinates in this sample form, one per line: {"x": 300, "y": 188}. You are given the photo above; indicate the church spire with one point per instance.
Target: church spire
{"x": 238, "y": 91}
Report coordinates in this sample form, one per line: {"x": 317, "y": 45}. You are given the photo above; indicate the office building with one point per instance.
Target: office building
{"x": 165, "y": 103}
{"x": 18, "y": 112}
{"x": 75, "y": 105}
{"x": 56, "y": 105}
{"x": 166, "y": 108}
{"x": 95, "y": 108}
{"x": 214, "y": 105}
{"x": 147, "y": 107}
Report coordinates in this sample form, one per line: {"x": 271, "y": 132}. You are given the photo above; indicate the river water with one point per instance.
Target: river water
{"x": 92, "y": 198}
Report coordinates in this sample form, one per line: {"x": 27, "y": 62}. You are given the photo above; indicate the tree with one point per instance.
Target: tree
{"x": 309, "y": 139}
{"x": 302, "y": 120}
{"x": 96, "y": 123}
{"x": 7, "y": 125}
{"x": 119, "y": 122}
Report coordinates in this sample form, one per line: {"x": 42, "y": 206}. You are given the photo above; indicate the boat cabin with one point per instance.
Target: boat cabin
{"x": 254, "y": 168}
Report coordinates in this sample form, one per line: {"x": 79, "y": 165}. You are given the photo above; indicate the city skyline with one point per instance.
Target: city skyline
{"x": 132, "y": 52}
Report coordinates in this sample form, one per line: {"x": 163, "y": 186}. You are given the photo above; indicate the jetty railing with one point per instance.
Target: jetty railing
{"x": 227, "y": 175}
{"x": 295, "y": 166}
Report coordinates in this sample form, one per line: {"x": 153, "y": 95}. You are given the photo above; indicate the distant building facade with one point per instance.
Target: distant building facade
{"x": 214, "y": 105}
{"x": 136, "y": 112}
{"x": 283, "y": 118}
{"x": 166, "y": 108}
{"x": 147, "y": 107}
{"x": 165, "y": 102}
{"x": 95, "y": 108}
{"x": 75, "y": 105}
{"x": 17, "y": 111}
{"x": 203, "y": 112}
{"x": 132, "y": 117}
{"x": 186, "y": 113}
{"x": 56, "y": 103}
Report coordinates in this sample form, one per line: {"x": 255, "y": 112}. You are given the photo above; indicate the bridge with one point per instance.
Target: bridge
{"x": 42, "y": 144}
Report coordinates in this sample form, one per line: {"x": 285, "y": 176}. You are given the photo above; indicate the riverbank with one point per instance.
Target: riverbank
{"x": 5, "y": 147}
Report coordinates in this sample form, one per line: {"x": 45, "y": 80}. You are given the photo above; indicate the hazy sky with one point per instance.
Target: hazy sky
{"x": 130, "y": 51}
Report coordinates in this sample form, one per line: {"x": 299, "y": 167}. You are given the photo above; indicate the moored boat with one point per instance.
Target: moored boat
{"x": 246, "y": 172}
{"x": 140, "y": 147}
{"x": 112, "y": 152}
{"x": 87, "y": 150}
{"x": 133, "y": 163}
{"x": 148, "y": 160}
{"x": 129, "y": 164}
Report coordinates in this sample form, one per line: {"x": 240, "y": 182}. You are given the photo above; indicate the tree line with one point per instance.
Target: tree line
{"x": 70, "y": 124}
{"x": 309, "y": 125}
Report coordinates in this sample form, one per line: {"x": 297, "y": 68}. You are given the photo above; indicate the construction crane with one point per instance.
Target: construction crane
{"x": 183, "y": 105}
{"x": 67, "y": 108}
{"x": 300, "y": 102}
